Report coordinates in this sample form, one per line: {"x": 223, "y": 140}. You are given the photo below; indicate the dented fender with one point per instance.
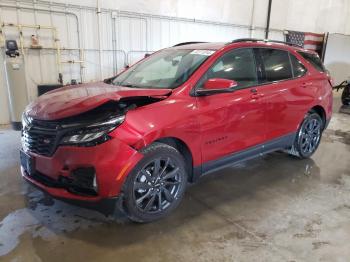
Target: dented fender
{"x": 144, "y": 125}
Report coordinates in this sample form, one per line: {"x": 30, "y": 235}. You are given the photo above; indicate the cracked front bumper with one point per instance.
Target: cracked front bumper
{"x": 112, "y": 161}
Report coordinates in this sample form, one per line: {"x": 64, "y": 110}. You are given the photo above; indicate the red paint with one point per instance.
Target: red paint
{"x": 73, "y": 100}
{"x": 219, "y": 83}
{"x": 211, "y": 126}
{"x": 107, "y": 164}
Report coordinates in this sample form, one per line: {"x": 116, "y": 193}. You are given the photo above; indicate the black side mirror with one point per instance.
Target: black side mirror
{"x": 109, "y": 80}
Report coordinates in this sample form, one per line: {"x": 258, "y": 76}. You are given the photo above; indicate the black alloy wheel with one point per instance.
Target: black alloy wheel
{"x": 156, "y": 185}
{"x": 309, "y": 135}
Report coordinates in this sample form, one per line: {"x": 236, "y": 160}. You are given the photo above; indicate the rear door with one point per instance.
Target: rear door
{"x": 232, "y": 122}
{"x": 284, "y": 85}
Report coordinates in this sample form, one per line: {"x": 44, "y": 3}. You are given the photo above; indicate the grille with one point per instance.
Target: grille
{"x": 40, "y": 137}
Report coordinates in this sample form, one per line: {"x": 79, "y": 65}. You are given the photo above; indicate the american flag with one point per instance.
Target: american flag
{"x": 307, "y": 40}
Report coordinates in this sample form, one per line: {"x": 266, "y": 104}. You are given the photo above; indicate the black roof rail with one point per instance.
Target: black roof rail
{"x": 262, "y": 40}
{"x": 189, "y": 43}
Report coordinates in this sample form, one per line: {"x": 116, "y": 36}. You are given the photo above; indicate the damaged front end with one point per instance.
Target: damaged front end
{"x": 87, "y": 129}
{"x": 60, "y": 162}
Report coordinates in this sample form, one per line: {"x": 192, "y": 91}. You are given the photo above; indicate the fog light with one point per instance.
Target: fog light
{"x": 84, "y": 180}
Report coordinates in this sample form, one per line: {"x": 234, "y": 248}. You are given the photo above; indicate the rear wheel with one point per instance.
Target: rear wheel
{"x": 345, "y": 97}
{"x": 156, "y": 185}
{"x": 309, "y": 136}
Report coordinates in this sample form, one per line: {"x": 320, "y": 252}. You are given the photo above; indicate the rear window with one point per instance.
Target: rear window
{"x": 314, "y": 60}
{"x": 277, "y": 64}
{"x": 298, "y": 68}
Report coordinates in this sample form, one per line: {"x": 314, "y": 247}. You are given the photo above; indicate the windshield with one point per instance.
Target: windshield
{"x": 166, "y": 69}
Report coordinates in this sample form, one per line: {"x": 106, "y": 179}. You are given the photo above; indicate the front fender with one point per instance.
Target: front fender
{"x": 168, "y": 118}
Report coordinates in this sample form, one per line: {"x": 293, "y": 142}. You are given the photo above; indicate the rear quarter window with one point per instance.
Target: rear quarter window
{"x": 298, "y": 68}
{"x": 276, "y": 63}
{"x": 314, "y": 60}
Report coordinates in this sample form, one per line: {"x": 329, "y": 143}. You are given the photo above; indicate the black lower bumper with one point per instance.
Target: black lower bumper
{"x": 107, "y": 206}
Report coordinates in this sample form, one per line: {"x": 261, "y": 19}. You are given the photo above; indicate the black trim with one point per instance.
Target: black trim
{"x": 106, "y": 206}
{"x": 246, "y": 154}
{"x": 189, "y": 43}
{"x": 260, "y": 69}
{"x": 291, "y": 64}
{"x": 63, "y": 183}
{"x": 255, "y": 40}
{"x": 16, "y": 126}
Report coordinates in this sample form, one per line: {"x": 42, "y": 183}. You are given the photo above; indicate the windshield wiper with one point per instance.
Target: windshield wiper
{"x": 129, "y": 85}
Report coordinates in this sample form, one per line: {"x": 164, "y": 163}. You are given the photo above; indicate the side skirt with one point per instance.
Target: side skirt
{"x": 244, "y": 155}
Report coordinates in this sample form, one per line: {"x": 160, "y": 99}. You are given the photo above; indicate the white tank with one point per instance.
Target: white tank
{"x": 17, "y": 88}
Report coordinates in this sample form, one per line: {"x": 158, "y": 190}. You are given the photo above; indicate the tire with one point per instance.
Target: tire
{"x": 149, "y": 194}
{"x": 345, "y": 97}
{"x": 309, "y": 135}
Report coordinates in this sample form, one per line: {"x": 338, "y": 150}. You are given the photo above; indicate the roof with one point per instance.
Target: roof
{"x": 202, "y": 46}
{"x": 243, "y": 42}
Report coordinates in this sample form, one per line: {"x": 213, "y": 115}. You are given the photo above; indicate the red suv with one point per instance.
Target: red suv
{"x": 176, "y": 115}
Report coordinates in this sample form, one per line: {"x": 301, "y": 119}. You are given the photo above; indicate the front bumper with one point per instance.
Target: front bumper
{"x": 112, "y": 161}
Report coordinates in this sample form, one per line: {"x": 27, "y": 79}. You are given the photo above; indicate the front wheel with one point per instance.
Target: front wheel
{"x": 309, "y": 136}
{"x": 156, "y": 185}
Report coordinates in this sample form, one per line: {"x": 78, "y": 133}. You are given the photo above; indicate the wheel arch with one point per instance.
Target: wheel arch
{"x": 321, "y": 112}
{"x": 184, "y": 150}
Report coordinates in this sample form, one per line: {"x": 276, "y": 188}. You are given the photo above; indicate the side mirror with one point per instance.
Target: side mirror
{"x": 109, "y": 80}
{"x": 216, "y": 86}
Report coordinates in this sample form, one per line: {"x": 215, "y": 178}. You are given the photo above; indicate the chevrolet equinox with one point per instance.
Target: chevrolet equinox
{"x": 143, "y": 135}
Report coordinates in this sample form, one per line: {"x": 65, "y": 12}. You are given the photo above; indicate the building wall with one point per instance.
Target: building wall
{"x": 337, "y": 57}
{"x": 125, "y": 30}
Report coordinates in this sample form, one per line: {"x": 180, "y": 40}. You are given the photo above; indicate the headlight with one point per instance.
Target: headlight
{"x": 92, "y": 134}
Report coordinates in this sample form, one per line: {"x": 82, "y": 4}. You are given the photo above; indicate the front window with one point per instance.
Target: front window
{"x": 238, "y": 65}
{"x": 167, "y": 69}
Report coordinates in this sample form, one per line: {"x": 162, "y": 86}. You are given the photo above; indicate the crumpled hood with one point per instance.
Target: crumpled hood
{"x": 77, "y": 99}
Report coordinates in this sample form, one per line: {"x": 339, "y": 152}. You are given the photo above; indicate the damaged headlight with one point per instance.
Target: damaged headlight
{"x": 91, "y": 134}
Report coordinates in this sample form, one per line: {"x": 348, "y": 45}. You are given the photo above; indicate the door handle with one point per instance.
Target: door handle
{"x": 255, "y": 94}
{"x": 306, "y": 84}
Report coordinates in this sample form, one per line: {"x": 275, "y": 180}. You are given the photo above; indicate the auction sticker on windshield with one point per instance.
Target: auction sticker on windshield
{"x": 202, "y": 52}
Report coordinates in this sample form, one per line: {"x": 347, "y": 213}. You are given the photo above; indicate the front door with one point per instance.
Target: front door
{"x": 232, "y": 122}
